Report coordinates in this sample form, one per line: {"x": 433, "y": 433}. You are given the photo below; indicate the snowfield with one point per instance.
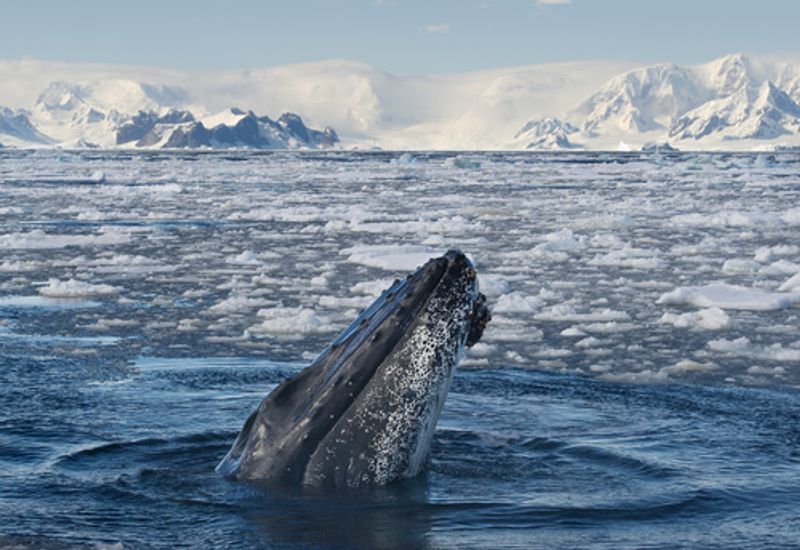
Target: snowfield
{"x": 633, "y": 267}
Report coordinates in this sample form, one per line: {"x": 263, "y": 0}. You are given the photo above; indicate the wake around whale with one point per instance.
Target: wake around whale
{"x": 364, "y": 412}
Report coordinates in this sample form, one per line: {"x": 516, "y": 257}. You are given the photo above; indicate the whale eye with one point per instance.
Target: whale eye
{"x": 470, "y": 273}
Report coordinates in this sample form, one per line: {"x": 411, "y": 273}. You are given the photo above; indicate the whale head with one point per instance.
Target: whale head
{"x": 364, "y": 412}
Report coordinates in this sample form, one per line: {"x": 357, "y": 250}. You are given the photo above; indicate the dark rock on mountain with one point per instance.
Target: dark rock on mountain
{"x": 180, "y": 129}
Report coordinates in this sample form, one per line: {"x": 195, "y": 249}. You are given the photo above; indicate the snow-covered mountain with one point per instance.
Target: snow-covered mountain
{"x": 731, "y": 99}
{"x": 16, "y": 127}
{"x": 735, "y": 102}
{"x": 548, "y": 133}
{"x": 766, "y": 112}
{"x": 234, "y": 128}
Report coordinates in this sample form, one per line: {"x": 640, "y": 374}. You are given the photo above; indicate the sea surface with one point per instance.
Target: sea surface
{"x": 637, "y": 387}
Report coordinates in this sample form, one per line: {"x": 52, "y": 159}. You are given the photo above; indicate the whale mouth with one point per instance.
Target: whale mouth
{"x": 297, "y": 416}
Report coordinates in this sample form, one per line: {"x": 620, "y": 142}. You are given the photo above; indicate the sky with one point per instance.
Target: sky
{"x": 404, "y": 37}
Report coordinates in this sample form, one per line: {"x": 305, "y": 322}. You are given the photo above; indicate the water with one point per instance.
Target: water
{"x": 115, "y": 407}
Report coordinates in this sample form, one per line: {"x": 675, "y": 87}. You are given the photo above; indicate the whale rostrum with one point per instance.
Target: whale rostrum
{"x": 364, "y": 412}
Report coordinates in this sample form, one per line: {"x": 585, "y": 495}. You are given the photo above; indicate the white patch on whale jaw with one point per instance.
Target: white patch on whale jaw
{"x": 425, "y": 370}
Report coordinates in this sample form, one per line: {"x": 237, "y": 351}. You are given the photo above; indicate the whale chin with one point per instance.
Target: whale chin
{"x": 364, "y": 412}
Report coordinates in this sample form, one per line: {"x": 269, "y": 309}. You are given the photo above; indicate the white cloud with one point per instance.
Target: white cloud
{"x": 552, "y": 2}
{"x": 440, "y": 28}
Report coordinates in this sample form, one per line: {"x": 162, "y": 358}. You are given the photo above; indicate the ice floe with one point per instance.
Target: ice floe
{"x": 712, "y": 318}
{"x": 390, "y": 257}
{"x": 72, "y": 288}
{"x": 792, "y": 284}
{"x": 290, "y": 322}
{"x": 744, "y": 347}
{"x": 38, "y": 239}
{"x": 566, "y": 312}
{"x": 725, "y": 296}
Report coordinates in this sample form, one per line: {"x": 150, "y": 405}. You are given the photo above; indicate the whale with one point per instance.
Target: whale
{"x": 364, "y": 412}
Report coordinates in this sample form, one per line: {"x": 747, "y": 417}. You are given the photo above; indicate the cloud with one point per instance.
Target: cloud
{"x": 552, "y": 2}
{"x": 440, "y": 28}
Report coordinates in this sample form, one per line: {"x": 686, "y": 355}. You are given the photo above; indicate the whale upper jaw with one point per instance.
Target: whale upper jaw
{"x": 364, "y": 411}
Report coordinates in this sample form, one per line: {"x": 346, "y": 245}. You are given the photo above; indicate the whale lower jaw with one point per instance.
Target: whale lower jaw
{"x": 392, "y": 422}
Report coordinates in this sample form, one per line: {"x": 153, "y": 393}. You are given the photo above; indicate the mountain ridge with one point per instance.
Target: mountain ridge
{"x": 735, "y": 102}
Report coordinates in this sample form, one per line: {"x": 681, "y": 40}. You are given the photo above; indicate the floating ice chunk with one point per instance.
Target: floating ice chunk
{"x": 632, "y": 258}
{"x": 103, "y": 325}
{"x": 238, "y": 303}
{"x": 565, "y": 312}
{"x": 129, "y": 264}
{"x": 792, "y": 284}
{"x": 465, "y": 163}
{"x": 791, "y": 217}
{"x": 247, "y": 257}
{"x": 767, "y": 253}
{"x": 390, "y": 257}
{"x": 38, "y": 239}
{"x": 606, "y": 240}
{"x": 511, "y": 330}
{"x": 482, "y": 349}
{"x": 561, "y": 241}
{"x": 610, "y": 327}
{"x": 46, "y": 302}
{"x": 263, "y": 279}
{"x": 290, "y": 322}
{"x": 514, "y": 357}
{"x": 739, "y": 265}
{"x": 601, "y": 368}
{"x": 427, "y": 227}
{"x": 774, "y": 371}
{"x": 730, "y": 346}
{"x": 236, "y": 283}
{"x": 687, "y": 365}
{"x": 371, "y": 288}
{"x": 76, "y": 289}
{"x": 19, "y": 266}
{"x": 405, "y": 158}
{"x": 705, "y": 246}
{"x": 647, "y": 376}
{"x": 573, "y": 332}
{"x": 188, "y": 325}
{"x": 493, "y": 285}
{"x": 726, "y": 296}
{"x": 553, "y": 353}
{"x": 357, "y": 302}
{"x": 710, "y": 319}
{"x": 724, "y": 219}
{"x": 589, "y": 342}
{"x": 743, "y": 347}
{"x": 517, "y": 302}
{"x": 781, "y": 267}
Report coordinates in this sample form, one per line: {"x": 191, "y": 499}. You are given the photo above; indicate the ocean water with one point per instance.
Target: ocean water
{"x": 637, "y": 388}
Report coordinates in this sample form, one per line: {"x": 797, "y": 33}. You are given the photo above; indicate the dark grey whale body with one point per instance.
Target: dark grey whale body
{"x": 364, "y": 412}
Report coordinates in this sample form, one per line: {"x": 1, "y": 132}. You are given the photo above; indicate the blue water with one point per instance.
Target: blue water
{"x": 520, "y": 459}
{"x": 115, "y": 409}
